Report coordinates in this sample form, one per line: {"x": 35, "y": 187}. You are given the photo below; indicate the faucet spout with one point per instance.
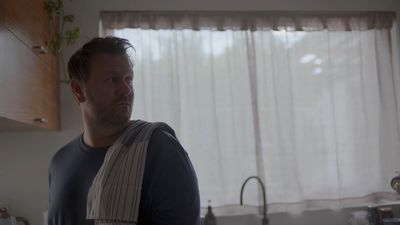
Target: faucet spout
{"x": 265, "y": 218}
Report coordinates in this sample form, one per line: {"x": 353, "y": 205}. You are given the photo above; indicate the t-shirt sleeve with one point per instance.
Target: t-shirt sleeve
{"x": 49, "y": 182}
{"x": 174, "y": 189}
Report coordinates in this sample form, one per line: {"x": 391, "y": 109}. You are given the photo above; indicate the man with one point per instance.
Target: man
{"x": 81, "y": 192}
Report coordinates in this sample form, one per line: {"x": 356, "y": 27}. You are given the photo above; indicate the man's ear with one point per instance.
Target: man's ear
{"x": 77, "y": 91}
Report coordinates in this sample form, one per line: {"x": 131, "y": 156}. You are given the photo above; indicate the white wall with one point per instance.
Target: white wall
{"x": 24, "y": 156}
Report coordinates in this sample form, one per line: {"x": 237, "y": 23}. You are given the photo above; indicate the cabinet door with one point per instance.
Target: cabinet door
{"x": 48, "y": 97}
{"x": 28, "y": 20}
{"x": 29, "y": 86}
{"x": 2, "y": 60}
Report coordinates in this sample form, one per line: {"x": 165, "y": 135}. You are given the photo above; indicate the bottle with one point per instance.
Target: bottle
{"x": 210, "y": 218}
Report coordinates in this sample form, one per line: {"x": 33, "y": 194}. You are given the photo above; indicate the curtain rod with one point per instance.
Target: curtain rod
{"x": 258, "y": 13}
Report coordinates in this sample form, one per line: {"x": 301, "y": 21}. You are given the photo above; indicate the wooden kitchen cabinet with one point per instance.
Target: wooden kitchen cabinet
{"x": 29, "y": 87}
{"x": 28, "y": 20}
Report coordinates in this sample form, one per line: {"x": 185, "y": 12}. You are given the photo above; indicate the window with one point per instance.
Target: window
{"x": 307, "y": 103}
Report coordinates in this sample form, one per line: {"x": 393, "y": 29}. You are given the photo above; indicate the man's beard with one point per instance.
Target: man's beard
{"x": 108, "y": 115}
{"x": 117, "y": 119}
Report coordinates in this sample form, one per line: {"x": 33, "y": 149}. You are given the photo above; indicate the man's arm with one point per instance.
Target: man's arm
{"x": 174, "y": 193}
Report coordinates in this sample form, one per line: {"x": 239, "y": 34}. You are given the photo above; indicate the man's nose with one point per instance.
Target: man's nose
{"x": 126, "y": 88}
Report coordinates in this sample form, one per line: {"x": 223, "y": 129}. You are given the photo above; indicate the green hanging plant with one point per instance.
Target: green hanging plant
{"x": 57, "y": 22}
{"x": 59, "y": 35}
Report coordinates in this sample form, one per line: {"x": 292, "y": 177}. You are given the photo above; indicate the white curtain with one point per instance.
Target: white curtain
{"x": 312, "y": 109}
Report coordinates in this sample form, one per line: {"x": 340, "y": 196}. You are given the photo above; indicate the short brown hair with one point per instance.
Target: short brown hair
{"x": 78, "y": 64}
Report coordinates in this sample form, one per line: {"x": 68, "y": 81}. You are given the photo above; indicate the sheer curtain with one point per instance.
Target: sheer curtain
{"x": 307, "y": 103}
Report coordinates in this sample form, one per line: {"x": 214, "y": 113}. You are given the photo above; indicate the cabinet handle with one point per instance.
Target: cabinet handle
{"x": 41, "y": 120}
{"x": 39, "y": 49}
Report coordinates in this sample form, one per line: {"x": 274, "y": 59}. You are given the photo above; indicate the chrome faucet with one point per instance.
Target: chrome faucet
{"x": 265, "y": 220}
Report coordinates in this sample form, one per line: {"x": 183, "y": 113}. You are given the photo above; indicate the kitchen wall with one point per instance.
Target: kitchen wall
{"x": 24, "y": 156}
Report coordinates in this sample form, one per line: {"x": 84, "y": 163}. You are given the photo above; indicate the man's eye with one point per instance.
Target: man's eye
{"x": 111, "y": 79}
{"x": 129, "y": 80}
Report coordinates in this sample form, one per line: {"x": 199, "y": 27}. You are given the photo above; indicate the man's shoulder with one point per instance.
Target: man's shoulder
{"x": 161, "y": 131}
{"x": 66, "y": 150}
{"x": 163, "y": 134}
{"x": 157, "y": 125}
{"x": 165, "y": 146}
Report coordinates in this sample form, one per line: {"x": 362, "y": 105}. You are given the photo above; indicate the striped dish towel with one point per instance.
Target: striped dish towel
{"x": 114, "y": 196}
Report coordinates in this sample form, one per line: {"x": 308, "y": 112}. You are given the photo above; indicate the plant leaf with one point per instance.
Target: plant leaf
{"x": 72, "y": 35}
{"x": 52, "y": 7}
{"x": 69, "y": 18}
{"x": 55, "y": 44}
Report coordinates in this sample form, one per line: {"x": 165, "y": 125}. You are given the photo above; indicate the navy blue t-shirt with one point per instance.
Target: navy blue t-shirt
{"x": 170, "y": 194}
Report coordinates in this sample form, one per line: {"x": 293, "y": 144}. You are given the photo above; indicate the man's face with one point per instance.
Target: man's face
{"x": 108, "y": 90}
